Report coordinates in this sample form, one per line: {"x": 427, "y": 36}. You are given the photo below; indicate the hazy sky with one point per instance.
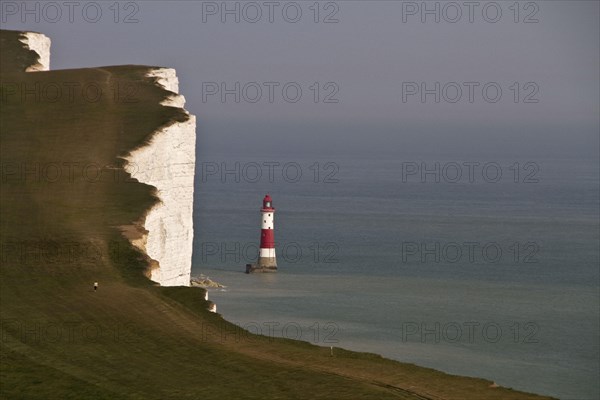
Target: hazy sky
{"x": 374, "y": 61}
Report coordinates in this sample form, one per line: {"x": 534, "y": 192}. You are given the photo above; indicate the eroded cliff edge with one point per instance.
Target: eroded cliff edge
{"x": 40, "y": 44}
{"x": 167, "y": 162}
{"x": 133, "y": 124}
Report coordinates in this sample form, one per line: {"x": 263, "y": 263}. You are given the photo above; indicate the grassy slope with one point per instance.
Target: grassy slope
{"x": 132, "y": 339}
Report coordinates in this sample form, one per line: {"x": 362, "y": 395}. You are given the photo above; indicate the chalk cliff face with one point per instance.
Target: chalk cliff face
{"x": 41, "y": 45}
{"x": 168, "y": 163}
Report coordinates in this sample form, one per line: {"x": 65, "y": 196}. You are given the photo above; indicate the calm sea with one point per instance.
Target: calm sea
{"x": 479, "y": 267}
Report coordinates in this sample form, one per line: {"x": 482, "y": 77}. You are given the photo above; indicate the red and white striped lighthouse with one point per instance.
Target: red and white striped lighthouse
{"x": 266, "y": 257}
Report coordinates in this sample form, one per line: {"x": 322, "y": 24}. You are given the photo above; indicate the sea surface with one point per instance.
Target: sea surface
{"x": 480, "y": 275}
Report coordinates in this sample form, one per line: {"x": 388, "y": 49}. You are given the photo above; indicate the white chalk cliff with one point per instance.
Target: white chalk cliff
{"x": 168, "y": 163}
{"x": 39, "y": 43}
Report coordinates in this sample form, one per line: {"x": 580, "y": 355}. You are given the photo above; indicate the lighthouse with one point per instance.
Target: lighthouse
{"x": 266, "y": 256}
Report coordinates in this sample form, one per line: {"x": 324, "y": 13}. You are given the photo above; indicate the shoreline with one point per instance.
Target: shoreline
{"x": 248, "y": 301}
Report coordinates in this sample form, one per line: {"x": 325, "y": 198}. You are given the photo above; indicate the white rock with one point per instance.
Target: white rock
{"x": 167, "y": 78}
{"x": 41, "y": 45}
{"x": 168, "y": 163}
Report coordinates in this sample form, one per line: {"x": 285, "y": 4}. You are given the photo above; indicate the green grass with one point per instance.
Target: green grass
{"x": 132, "y": 339}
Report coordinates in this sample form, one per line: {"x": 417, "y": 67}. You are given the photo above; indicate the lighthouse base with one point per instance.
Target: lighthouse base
{"x": 250, "y": 268}
{"x": 267, "y": 262}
